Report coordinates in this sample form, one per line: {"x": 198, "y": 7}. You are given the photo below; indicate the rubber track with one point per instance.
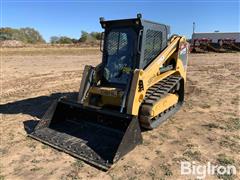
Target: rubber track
{"x": 155, "y": 94}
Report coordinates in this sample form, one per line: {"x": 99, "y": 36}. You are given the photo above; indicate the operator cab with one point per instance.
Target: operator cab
{"x": 129, "y": 44}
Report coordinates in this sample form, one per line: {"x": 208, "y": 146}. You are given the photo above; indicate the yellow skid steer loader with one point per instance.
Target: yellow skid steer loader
{"x": 139, "y": 84}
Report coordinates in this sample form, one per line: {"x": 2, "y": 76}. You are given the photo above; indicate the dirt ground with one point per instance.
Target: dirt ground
{"x": 207, "y": 128}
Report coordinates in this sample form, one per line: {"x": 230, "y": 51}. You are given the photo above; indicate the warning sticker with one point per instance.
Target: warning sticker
{"x": 183, "y": 54}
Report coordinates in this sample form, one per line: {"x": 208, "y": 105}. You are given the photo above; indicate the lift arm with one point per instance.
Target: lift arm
{"x": 143, "y": 79}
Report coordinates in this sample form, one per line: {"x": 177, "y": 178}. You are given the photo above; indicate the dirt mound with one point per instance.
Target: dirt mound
{"x": 11, "y": 43}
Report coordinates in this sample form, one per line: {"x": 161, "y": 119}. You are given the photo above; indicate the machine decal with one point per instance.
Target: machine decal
{"x": 161, "y": 60}
{"x": 183, "y": 54}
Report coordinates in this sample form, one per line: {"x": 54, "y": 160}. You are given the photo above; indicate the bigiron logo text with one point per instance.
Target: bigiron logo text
{"x": 201, "y": 171}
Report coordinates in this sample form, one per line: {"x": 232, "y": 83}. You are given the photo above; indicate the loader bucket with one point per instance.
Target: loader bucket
{"x": 96, "y": 136}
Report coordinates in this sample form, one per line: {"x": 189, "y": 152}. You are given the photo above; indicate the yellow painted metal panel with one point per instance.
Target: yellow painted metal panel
{"x": 164, "y": 104}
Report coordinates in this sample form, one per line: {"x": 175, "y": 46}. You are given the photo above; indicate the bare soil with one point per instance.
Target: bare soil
{"x": 207, "y": 128}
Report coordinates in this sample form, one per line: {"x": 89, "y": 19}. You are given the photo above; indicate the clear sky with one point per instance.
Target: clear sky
{"x": 70, "y": 17}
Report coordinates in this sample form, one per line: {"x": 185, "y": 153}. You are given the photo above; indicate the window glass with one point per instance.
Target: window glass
{"x": 117, "y": 41}
{"x": 119, "y": 55}
{"x": 153, "y": 45}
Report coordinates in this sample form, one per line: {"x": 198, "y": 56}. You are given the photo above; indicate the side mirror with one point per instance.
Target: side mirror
{"x": 102, "y": 41}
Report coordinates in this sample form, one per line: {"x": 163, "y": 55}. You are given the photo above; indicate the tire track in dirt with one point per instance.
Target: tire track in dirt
{"x": 39, "y": 84}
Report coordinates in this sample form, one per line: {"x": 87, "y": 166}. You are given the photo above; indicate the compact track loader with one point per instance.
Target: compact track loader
{"x": 138, "y": 85}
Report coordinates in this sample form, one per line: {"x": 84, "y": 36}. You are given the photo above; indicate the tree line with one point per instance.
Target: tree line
{"x": 32, "y": 36}
{"x": 85, "y": 37}
{"x": 26, "y": 35}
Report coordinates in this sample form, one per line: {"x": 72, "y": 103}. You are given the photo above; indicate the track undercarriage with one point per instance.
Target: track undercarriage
{"x": 161, "y": 91}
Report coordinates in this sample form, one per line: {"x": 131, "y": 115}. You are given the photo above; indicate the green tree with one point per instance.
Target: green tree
{"x": 96, "y": 35}
{"x": 61, "y": 40}
{"x": 65, "y": 40}
{"x": 54, "y": 39}
{"x": 26, "y": 35}
{"x": 84, "y": 36}
{"x": 74, "y": 41}
{"x": 32, "y": 36}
